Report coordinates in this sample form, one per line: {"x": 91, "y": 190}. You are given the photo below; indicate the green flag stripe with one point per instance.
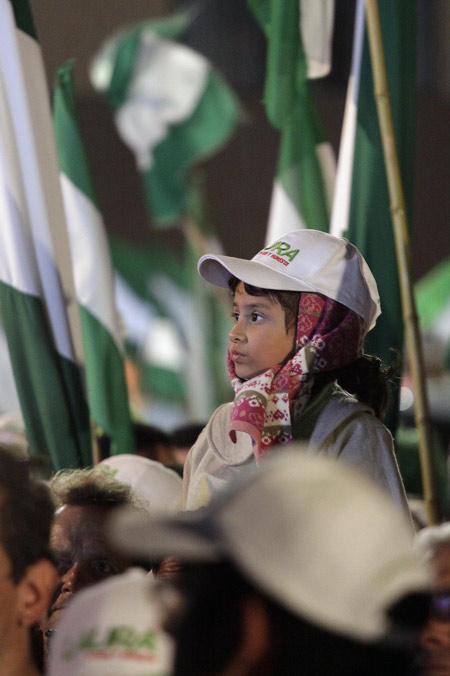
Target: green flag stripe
{"x": 165, "y": 184}
{"x": 106, "y": 385}
{"x": 23, "y": 17}
{"x": 300, "y": 172}
{"x": 49, "y": 387}
{"x": 286, "y": 64}
{"x": 52, "y": 428}
{"x": 71, "y": 153}
{"x": 300, "y": 197}
{"x": 370, "y": 224}
{"x": 125, "y": 57}
{"x": 111, "y": 411}
{"x": 123, "y": 69}
{"x": 432, "y": 294}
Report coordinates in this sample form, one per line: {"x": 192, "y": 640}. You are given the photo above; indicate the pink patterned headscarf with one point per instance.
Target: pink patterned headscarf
{"x": 328, "y": 336}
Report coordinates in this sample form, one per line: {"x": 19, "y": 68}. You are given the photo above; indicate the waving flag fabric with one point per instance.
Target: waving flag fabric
{"x": 93, "y": 274}
{"x": 38, "y": 306}
{"x": 172, "y": 109}
{"x": 303, "y": 186}
{"x": 361, "y": 210}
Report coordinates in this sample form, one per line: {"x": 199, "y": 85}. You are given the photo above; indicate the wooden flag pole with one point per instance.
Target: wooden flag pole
{"x": 402, "y": 245}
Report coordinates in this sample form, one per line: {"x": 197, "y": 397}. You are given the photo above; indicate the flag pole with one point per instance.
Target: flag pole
{"x": 402, "y": 246}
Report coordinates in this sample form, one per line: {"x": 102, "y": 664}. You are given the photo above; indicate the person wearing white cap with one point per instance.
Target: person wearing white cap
{"x": 112, "y": 629}
{"x": 301, "y": 309}
{"x": 305, "y": 567}
{"x": 158, "y": 487}
{"x": 433, "y": 544}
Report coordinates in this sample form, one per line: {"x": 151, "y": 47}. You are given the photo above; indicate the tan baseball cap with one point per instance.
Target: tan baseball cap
{"x": 310, "y": 532}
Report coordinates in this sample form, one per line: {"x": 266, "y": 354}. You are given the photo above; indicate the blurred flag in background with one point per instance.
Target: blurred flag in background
{"x": 361, "y": 209}
{"x": 299, "y": 38}
{"x": 38, "y": 305}
{"x": 93, "y": 275}
{"x": 172, "y": 109}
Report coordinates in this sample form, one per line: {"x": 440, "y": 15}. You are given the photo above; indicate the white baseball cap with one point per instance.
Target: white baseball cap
{"x": 156, "y": 485}
{"x": 113, "y": 628}
{"x": 304, "y": 260}
{"x": 310, "y": 532}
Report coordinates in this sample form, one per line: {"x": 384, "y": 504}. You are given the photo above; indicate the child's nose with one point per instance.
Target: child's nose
{"x": 236, "y": 334}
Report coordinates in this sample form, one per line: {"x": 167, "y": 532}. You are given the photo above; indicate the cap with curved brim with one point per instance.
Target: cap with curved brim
{"x": 184, "y": 535}
{"x": 308, "y": 531}
{"x": 304, "y": 260}
{"x": 113, "y": 628}
{"x": 159, "y": 487}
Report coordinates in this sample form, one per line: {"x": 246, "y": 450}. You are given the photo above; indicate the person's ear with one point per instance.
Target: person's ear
{"x": 255, "y": 641}
{"x": 35, "y": 591}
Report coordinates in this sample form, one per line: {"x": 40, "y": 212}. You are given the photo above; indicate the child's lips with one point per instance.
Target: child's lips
{"x": 237, "y": 356}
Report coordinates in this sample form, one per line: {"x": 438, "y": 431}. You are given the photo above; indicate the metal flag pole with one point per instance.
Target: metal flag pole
{"x": 402, "y": 245}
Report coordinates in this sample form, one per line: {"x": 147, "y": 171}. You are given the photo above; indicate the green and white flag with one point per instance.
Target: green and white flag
{"x": 93, "y": 275}
{"x": 171, "y": 109}
{"x": 38, "y": 306}
{"x": 432, "y": 296}
{"x": 298, "y": 47}
{"x": 152, "y": 300}
{"x": 174, "y": 330}
{"x": 361, "y": 209}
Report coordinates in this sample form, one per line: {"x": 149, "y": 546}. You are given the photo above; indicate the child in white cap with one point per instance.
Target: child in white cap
{"x": 301, "y": 309}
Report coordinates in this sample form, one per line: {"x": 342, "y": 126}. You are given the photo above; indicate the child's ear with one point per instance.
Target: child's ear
{"x": 35, "y": 591}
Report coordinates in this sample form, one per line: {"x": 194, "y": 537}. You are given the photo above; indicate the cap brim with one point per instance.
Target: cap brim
{"x": 184, "y": 537}
{"x": 218, "y": 270}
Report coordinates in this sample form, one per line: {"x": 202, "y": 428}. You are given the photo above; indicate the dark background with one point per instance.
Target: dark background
{"x": 239, "y": 178}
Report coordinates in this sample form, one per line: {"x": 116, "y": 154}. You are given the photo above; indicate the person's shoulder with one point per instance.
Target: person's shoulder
{"x": 216, "y": 425}
{"x": 221, "y": 415}
{"x": 336, "y": 407}
{"x": 346, "y": 404}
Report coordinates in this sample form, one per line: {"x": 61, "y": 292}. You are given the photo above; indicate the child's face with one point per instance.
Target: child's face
{"x": 259, "y": 339}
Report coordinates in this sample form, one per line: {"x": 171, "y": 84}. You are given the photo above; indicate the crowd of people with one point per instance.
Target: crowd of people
{"x": 280, "y": 543}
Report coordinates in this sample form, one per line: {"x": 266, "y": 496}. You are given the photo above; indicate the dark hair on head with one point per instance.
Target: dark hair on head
{"x": 148, "y": 435}
{"x": 90, "y": 488}
{"x": 289, "y": 300}
{"x": 186, "y": 435}
{"x": 26, "y": 514}
{"x": 212, "y": 617}
{"x": 367, "y": 378}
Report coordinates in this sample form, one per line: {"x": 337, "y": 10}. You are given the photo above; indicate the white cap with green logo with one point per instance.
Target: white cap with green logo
{"x": 112, "y": 629}
{"x": 304, "y": 260}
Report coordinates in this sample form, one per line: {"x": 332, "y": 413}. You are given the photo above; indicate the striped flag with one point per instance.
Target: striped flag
{"x": 149, "y": 284}
{"x": 361, "y": 207}
{"x": 93, "y": 274}
{"x": 171, "y": 108}
{"x": 432, "y": 296}
{"x": 38, "y": 306}
{"x": 298, "y": 47}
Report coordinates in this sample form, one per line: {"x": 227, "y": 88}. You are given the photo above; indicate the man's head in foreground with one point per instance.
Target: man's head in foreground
{"x": 433, "y": 543}
{"x": 84, "y": 499}
{"x": 27, "y": 574}
{"x": 305, "y": 568}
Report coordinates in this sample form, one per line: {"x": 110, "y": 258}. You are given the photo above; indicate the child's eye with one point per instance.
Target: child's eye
{"x": 255, "y": 316}
{"x": 235, "y": 316}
